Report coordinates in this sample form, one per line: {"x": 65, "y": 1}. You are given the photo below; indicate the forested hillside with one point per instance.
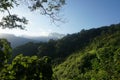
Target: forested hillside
{"x": 28, "y": 49}
{"x": 76, "y": 42}
{"x": 87, "y": 55}
{"x": 99, "y": 60}
{"x": 62, "y": 48}
{"x": 92, "y": 54}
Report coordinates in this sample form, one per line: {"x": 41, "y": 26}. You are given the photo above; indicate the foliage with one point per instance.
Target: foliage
{"x": 69, "y": 44}
{"x": 97, "y": 61}
{"x": 5, "y": 52}
{"x": 27, "y": 68}
{"x": 89, "y": 55}
{"x": 46, "y": 7}
{"x": 23, "y": 67}
{"x": 28, "y": 49}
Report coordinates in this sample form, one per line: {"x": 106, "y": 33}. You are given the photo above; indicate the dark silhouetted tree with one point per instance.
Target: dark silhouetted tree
{"x": 50, "y": 8}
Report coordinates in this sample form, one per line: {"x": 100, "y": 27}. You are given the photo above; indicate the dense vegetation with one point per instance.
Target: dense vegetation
{"x": 69, "y": 44}
{"x": 88, "y": 55}
{"x": 23, "y": 67}
{"x": 28, "y": 49}
{"x": 100, "y": 60}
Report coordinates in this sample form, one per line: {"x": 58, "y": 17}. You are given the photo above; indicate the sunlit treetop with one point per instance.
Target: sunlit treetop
{"x": 49, "y": 8}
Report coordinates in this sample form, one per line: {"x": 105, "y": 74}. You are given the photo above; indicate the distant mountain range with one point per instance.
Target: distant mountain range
{"x": 16, "y": 41}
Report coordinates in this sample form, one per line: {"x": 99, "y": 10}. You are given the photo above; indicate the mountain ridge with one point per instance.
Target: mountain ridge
{"x": 20, "y": 40}
{"x": 99, "y": 60}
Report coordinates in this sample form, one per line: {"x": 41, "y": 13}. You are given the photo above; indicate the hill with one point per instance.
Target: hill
{"x": 87, "y": 55}
{"x": 99, "y": 60}
{"x": 69, "y": 44}
{"x": 28, "y": 49}
{"x": 14, "y": 40}
{"x": 21, "y": 40}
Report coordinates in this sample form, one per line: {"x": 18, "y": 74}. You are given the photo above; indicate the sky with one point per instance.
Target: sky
{"x": 78, "y": 14}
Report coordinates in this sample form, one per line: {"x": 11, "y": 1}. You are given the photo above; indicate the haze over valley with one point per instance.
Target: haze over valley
{"x": 20, "y": 40}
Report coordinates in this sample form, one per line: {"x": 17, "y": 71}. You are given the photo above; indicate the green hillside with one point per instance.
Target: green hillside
{"x": 28, "y": 49}
{"x": 92, "y": 54}
{"x": 100, "y": 60}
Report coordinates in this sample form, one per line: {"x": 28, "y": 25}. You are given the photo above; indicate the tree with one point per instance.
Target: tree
{"x": 28, "y": 68}
{"x": 50, "y": 8}
{"x": 22, "y": 67}
{"x": 5, "y": 52}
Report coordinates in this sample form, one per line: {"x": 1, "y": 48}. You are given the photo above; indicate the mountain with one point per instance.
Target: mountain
{"x": 17, "y": 41}
{"x": 70, "y": 43}
{"x": 61, "y": 48}
{"x": 98, "y": 60}
{"x": 92, "y": 54}
{"x": 54, "y": 36}
{"x": 27, "y": 49}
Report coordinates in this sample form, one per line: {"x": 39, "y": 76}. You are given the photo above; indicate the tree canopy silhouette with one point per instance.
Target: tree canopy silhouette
{"x": 49, "y": 8}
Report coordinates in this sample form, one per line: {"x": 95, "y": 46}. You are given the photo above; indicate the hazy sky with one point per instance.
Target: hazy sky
{"x": 79, "y": 14}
